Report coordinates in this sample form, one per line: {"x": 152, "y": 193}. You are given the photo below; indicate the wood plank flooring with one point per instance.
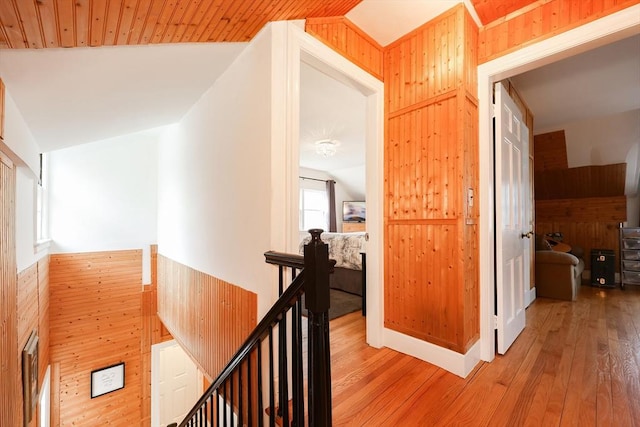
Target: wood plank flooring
{"x": 575, "y": 364}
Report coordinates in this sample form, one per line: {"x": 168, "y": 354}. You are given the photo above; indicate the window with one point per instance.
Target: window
{"x": 313, "y": 209}
{"x": 42, "y": 224}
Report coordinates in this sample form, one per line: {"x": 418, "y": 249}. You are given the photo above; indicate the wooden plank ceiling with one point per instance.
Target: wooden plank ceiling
{"x": 78, "y": 23}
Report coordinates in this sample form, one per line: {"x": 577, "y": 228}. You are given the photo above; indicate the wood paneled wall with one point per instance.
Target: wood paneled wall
{"x": 539, "y": 21}
{"x": 10, "y": 387}
{"x": 153, "y": 332}
{"x": 350, "y": 41}
{"x": 550, "y": 150}
{"x": 95, "y": 321}
{"x": 431, "y": 160}
{"x": 33, "y": 316}
{"x": 581, "y": 182}
{"x": 208, "y": 316}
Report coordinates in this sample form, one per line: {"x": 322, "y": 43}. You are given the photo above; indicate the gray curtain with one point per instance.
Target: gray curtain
{"x": 331, "y": 196}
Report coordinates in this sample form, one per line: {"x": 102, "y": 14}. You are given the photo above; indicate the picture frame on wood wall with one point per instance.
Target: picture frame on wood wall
{"x": 107, "y": 380}
{"x": 30, "y": 377}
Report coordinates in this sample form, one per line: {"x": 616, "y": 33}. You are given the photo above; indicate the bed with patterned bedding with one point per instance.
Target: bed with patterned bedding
{"x": 346, "y": 249}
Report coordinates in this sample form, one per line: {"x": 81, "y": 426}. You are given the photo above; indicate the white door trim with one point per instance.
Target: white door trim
{"x": 300, "y": 46}
{"x": 614, "y": 27}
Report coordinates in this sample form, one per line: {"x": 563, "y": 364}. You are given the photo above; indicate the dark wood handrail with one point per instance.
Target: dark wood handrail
{"x": 283, "y": 259}
{"x": 291, "y": 260}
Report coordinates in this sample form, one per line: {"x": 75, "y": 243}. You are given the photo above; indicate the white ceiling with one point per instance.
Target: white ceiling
{"x": 601, "y": 82}
{"x": 74, "y": 96}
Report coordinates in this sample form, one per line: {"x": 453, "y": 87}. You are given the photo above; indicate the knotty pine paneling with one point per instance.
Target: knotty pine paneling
{"x": 490, "y": 10}
{"x": 43, "y": 316}
{"x": 587, "y": 235}
{"x": 423, "y": 163}
{"x": 208, "y": 316}
{"x": 431, "y": 160}
{"x": 582, "y": 182}
{"x": 550, "y": 151}
{"x": 539, "y": 21}
{"x": 421, "y": 293}
{"x": 33, "y": 312}
{"x": 28, "y": 312}
{"x": 350, "y": 41}
{"x": 10, "y": 386}
{"x": 153, "y": 332}
{"x": 95, "y": 321}
{"x": 594, "y": 209}
{"x": 66, "y": 23}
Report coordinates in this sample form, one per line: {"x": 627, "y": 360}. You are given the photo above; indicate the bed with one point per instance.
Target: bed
{"x": 347, "y": 249}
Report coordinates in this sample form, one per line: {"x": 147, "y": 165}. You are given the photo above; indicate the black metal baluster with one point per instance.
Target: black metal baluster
{"x": 224, "y": 404}
{"x": 280, "y": 280}
{"x": 297, "y": 373}
{"x": 240, "y": 415}
{"x": 249, "y": 391}
{"x": 232, "y": 409}
{"x": 272, "y": 399}
{"x": 259, "y": 391}
{"x": 283, "y": 371}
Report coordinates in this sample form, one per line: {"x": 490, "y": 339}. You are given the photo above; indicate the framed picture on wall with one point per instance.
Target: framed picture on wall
{"x": 106, "y": 380}
{"x": 30, "y": 377}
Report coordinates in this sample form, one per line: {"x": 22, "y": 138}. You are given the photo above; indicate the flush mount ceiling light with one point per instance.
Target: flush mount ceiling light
{"x": 327, "y": 147}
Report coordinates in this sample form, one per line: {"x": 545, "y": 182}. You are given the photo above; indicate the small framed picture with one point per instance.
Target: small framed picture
{"x": 30, "y": 377}
{"x": 106, "y": 380}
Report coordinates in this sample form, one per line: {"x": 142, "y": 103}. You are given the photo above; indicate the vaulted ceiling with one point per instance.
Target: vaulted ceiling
{"x": 82, "y": 23}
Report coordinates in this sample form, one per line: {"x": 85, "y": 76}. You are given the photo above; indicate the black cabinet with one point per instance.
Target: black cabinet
{"x": 603, "y": 267}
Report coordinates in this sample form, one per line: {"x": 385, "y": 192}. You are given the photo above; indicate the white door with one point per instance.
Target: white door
{"x": 512, "y": 218}
{"x": 176, "y": 384}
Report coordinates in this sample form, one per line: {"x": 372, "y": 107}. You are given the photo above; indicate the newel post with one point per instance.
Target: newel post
{"x": 316, "y": 267}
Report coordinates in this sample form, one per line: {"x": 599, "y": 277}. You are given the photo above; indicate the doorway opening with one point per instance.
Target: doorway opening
{"x": 603, "y": 31}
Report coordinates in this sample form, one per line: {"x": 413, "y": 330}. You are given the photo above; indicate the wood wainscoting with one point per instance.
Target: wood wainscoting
{"x": 95, "y": 322}
{"x": 10, "y": 388}
{"x": 209, "y": 317}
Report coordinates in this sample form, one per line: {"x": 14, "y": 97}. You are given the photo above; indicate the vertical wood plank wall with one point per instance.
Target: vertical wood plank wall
{"x": 10, "y": 387}
{"x": 33, "y": 315}
{"x": 431, "y": 159}
{"x": 153, "y": 332}
{"x": 208, "y": 316}
{"x": 350, "y": 41}
{"x": 95, "y": 322}
{"x": 539, "y": 21}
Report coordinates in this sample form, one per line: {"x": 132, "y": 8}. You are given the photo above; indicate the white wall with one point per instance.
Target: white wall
{"x": 215, "y": 196}
{"x": 103, "y": 195}
{"x": 25, "y": 151}
{"x": 18, "y": 137}
{"x": 609, "y": 140}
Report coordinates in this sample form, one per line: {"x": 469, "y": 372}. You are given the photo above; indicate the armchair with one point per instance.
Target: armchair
{"x": 558, "y": 274}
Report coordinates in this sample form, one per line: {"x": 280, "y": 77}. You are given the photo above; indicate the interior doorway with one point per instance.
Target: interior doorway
{"x": 603, "y": 31}
{"x": 303, "y": 48}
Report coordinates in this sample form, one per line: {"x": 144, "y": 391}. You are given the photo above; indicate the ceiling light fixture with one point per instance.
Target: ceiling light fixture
{"x": 327, "y": 147}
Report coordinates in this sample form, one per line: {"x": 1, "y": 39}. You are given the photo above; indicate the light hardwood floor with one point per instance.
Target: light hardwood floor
{"x": 576, "y": 363}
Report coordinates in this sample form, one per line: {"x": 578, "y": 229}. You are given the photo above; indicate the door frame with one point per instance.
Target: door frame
{"x": 155, "y": 377}
{"x": 603, "y": 31}
{"x": 302, "y": 47}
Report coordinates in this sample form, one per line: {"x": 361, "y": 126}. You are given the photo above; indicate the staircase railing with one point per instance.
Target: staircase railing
{"x": 245, "y": 392}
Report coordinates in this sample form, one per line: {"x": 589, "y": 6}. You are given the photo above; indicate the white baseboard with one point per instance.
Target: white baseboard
{"x": 456, "y": 363}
